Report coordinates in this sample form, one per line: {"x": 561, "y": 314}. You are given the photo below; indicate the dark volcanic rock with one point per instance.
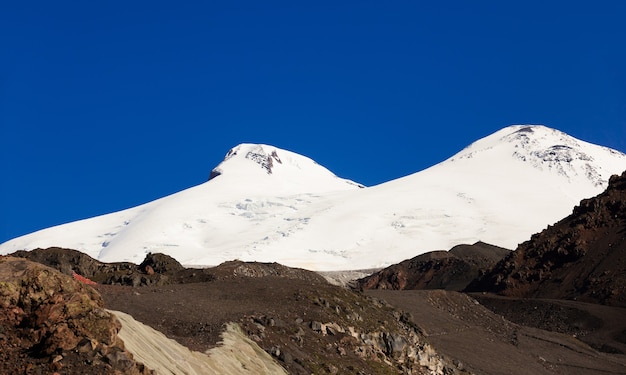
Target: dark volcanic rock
{"x": 450, "y": 270}
{"x": 68, "y": 261}
{"x": 160, "y": 263}
{"x": 52, "y": 323}
{"x": 156, "y": 269}
{"x": 581, "y": 257}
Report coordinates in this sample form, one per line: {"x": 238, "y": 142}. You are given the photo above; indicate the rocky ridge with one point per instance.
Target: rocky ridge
{"x": 156, "y": 269}
{"x": 449, "y": 270}
{"x": 581, "y": 257}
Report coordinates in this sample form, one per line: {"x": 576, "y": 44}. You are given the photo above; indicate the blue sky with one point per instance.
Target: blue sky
{"x": 105, "y": 105}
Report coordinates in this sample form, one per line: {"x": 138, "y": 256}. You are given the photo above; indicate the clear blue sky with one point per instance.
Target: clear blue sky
{"x": 105, "y": 105}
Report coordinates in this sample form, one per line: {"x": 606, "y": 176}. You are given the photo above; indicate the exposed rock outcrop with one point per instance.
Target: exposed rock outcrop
{"x": 236, "y": 354}
{"x": 52, "y": 323}
{"x": 306, "y": 324}
{"x": 343, "y": 332}
{"x": 156, "y": 269}
{"x": 449, "y": 270}
{"x": 581, "y": 257}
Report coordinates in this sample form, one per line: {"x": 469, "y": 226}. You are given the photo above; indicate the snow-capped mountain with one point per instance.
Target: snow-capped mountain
{"x": 287, "y": 173}
{"x": 266, "y": 204}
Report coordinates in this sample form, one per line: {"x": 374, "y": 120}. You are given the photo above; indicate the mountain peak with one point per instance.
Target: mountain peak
{"x": 549, "y": 150}
{"x": 259, "y": 162}
{"x": 259, "y": 154}
{"x": 263, "y": 155}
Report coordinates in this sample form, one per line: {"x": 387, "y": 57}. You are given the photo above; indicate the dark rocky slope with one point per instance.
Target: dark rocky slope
{"x": 50, "y": 323}
{"x": 599, "y": 326}
{"x": 306, "y": 324}
{"x": 309, "y": 326}
{"x": 484, "y": 342}
{"x": 581, "y": 257}
{"x": 449, "y": 270}
{"x": 156, "y": 269}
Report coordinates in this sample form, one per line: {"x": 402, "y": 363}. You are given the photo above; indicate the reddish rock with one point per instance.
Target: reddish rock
{"x": 45, "y": 315}
{"x": 82, "y": 279}
{"x": 149, "y": 270}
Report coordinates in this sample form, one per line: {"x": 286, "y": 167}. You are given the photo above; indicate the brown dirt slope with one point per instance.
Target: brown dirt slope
{"x": 600, "y": 326}
{"x": 305, "y": 323}
{"x": 52, "y": 323}
{"x": 449, "y": 270}
{"x": 581, "y": 257}
{"x": 483, "y": 342}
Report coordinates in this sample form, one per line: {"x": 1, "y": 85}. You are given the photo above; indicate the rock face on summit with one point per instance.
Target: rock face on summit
{"x": 581, "y": 257}
{"x": 264, "y": 163}
{"x": 50, "y": 323}
{"x": 449, "y": 270}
